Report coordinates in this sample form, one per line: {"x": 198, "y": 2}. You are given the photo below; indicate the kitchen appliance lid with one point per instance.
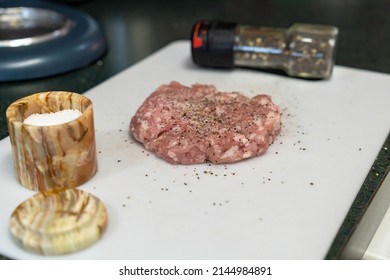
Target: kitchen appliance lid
{"x": 40, "y": 38}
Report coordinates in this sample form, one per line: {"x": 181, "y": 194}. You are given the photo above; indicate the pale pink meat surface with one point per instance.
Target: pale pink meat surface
{"x": 197, "y": 124}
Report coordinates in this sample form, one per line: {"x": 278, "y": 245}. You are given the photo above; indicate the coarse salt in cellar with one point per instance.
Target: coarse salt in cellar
{"x": 53, "y": 140}
{"x": 53, "y": 118}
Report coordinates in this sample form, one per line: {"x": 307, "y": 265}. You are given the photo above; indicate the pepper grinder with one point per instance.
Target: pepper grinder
{"x": 303, "y": 50}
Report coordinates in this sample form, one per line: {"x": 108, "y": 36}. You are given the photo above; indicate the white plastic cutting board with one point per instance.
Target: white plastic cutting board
{"x": 287, "y": 204}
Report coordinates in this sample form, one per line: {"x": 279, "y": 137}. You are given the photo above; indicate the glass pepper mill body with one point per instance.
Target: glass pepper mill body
{"x": 304, "y": 50}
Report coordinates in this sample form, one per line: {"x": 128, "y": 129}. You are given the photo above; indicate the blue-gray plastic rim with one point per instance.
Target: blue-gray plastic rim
{"x": 83, "y": 44}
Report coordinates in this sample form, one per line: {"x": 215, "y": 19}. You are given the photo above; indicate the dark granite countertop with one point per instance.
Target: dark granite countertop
{"x": 135, "y": 29}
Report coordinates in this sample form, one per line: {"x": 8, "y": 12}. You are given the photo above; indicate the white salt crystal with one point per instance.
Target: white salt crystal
{"x": 55, "y": 118}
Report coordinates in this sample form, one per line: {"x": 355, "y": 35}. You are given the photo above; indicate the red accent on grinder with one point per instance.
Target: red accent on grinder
{"x": 197, "y": 41}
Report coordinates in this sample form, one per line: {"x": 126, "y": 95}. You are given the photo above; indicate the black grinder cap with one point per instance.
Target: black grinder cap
{"x": 212, "y": 43}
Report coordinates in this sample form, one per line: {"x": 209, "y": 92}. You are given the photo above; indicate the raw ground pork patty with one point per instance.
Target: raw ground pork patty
{"x": 188, "y": 125}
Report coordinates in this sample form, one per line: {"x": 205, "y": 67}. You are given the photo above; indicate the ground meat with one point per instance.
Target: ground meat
{"x": 187, "y": 125}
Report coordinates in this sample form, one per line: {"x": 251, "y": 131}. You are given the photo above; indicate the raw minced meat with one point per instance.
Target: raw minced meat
{"x": 197, "y": 124}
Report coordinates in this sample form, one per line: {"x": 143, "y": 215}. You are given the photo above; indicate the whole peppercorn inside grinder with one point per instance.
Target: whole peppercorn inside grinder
{"x": 303, "y": 50}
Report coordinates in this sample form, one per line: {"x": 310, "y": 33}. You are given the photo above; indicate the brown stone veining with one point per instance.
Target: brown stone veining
{"x": 57, "y": 156}
{"x": 58, "y": 222}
